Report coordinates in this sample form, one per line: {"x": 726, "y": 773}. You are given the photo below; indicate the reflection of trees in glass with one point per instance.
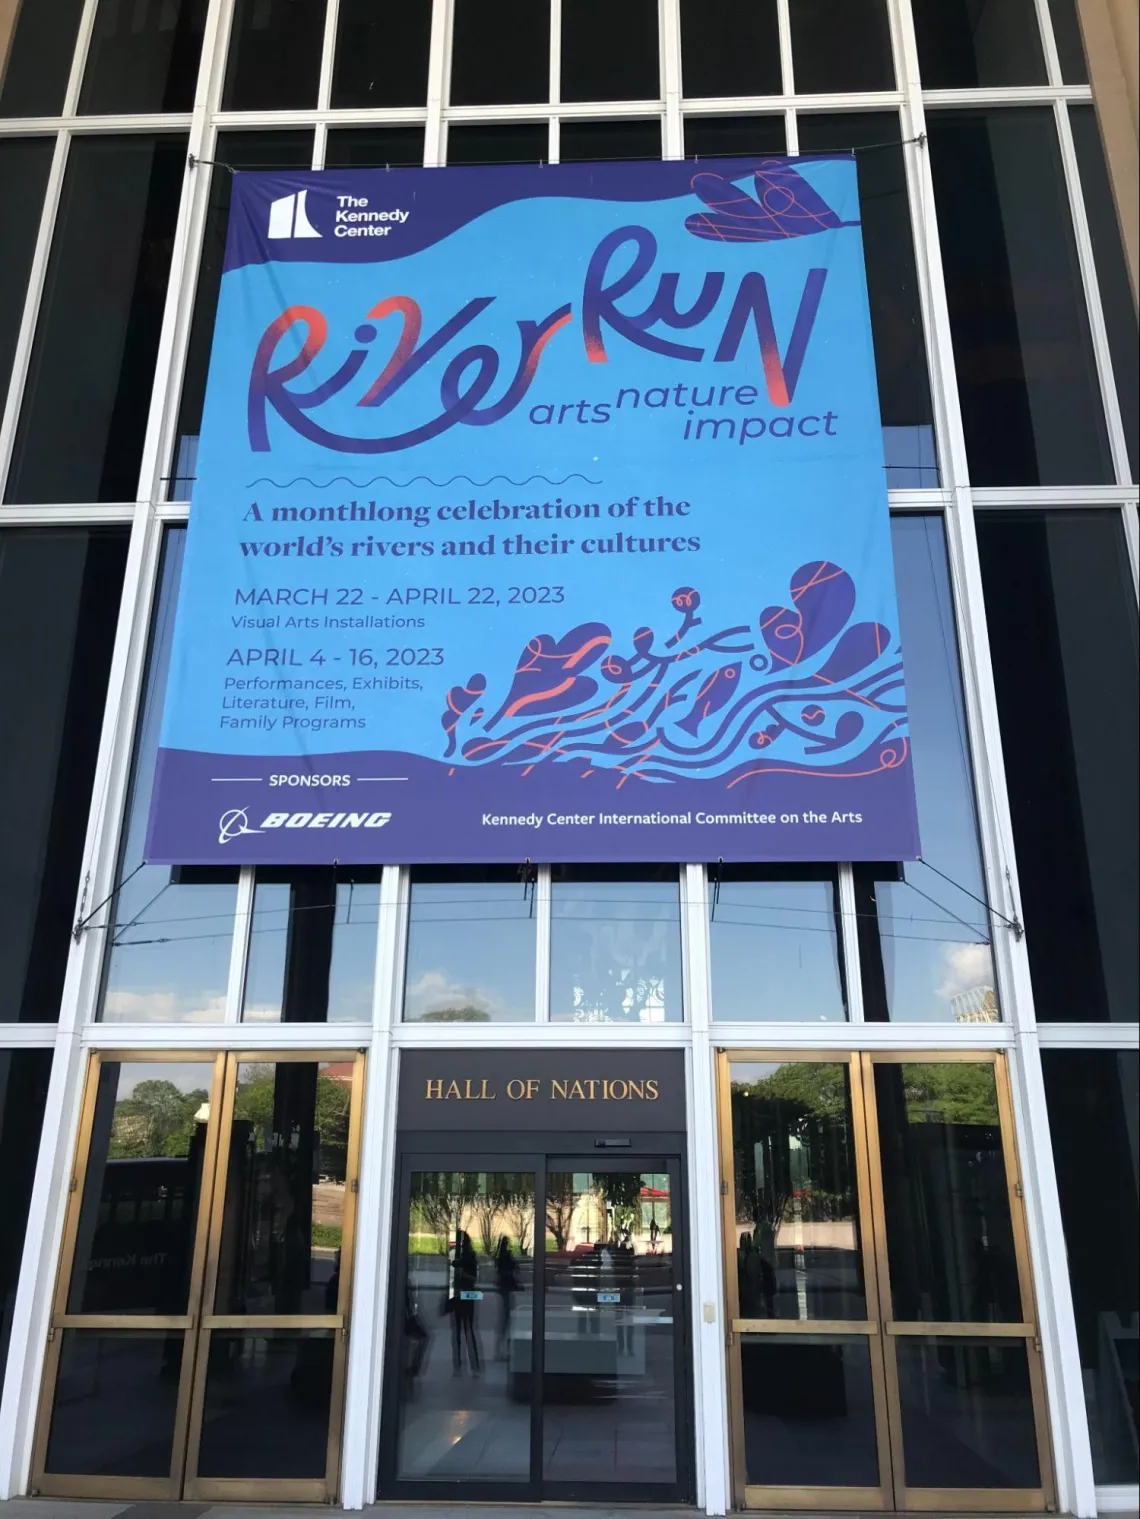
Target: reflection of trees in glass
{"x": 465, "y": 1014}
{"x": 440, "y": 1201}
{"x": 561, "y": 1200}
{"x": 791, "y": 1134}
{"x": 255, "y": 1103}
{"x": 520, "y": 1215}
{"x": 156, "y": 1119}
{"x": 960, "y": 1092}
{"x": 620, "y": 1192}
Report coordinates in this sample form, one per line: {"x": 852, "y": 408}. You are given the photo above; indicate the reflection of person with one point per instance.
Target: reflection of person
{"x": 766, "y": 1250}
{"x": 748, "y": 1276}
{"x": 654, "y": 1232}
{"x": 416, "y": 1340}
{"x": 508, "y": 1284}
{"x": 625, "y": 1268}
{"x": 464, "y": 1275}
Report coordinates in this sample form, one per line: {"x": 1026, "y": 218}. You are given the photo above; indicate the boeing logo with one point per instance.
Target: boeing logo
{"x": 234, "y": 823}
{"x": 289, "y": 218}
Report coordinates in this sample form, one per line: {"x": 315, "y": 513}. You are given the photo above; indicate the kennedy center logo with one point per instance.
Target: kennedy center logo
{"x": 289, "y": 218}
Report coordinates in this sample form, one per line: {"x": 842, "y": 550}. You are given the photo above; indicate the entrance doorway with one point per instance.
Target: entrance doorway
{"x": 197, "y": 1345}
{"x": 538, "y": 1326}
{"x": 883, "y": 1349}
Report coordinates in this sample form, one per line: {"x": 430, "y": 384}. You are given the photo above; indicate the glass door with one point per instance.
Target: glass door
{"x": 198, "y": 1336}
{"x": 883, "y": 1351}
{"x": 537, "y": 1331}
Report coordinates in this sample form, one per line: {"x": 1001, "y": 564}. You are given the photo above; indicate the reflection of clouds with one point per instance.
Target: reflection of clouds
{"x": 123, "y": 1005}
{"x": 436, "y": 992}
{"x": 966, "y": 967}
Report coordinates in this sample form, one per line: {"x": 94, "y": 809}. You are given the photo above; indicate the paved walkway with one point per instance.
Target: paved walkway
{"x": 60, "y": 1508}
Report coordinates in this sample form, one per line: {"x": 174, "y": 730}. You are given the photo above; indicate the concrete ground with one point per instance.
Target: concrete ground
{"x": 60, "y": 1508}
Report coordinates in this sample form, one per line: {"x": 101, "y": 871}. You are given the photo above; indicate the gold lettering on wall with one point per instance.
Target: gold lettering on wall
{"x": 518, "y": 1089}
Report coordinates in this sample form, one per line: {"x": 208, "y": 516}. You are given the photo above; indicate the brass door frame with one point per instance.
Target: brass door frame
{"x": 78, "y": 1486}
{"x": 988, "y": 1500}
{"x": 280, "y": 1490}
{"x": 745, "y": 1495}
{"x": 199, "y": 1320}
{"x": 881, "y": 1329}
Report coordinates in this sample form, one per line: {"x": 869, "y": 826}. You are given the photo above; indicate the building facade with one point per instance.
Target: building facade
{"x": 738, "y": 1186}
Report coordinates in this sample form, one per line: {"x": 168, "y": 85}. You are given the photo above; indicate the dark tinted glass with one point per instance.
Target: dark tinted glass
{"x": 465, "y": 1351}
{"x": 1070, "y": 47}
{"x": 285, "y": 1189}
{"x": 1111, "y": 272}
{"x": 143, "y": 57}
{"x": 116, "y": 1399}
{"x": 1061, "y": 612}
{"x": 171, "y": 931}
{"x": 238, "y": 150}
{"x": 500, "y": 51}
{"x": 33, "y": 76}
{"x": 583, "y": 140}
{"x": 799, "y": 1254}
{"x": 609, "y": 52}
{"x": 312, "y": 946}
{"x": 967, "y": 1413}
{"x": 1026, "y": 374}
{"x": 59, "y": 605}
{"x": 381, "y": 53}
{"x": 946, "y": 1195}
{"x": 774, "y": 943}
{"x": 24, "y": 166}
{"x": 841, "y": 45}
{"x": 717, "y": 136}
{"x": 471, "y": 948}
{"x": 1093, "y": 1097}
{"x": 86, "y": 402}
{"x": 608, "y": 1328}
{"x": 966, "y": 43}
{"x": 615, "y": 945}
{"x": 923, "y": 935}
{"x": 892, "y": 286}
{"x": 142, "y": 1188}
{"x": 266, "y": 1409}
{"x": 374, "y": 147}
{"x": 23, "y": 1093}
{"x": 822, "y": 1390}
{"x": 526, "y": 142}
{"x": 730, "y": 47}
{"x": 275, "y": 55}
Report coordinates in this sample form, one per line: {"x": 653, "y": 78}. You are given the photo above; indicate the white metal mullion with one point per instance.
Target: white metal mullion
{"x": 439, "y": 63}
{"x": 1121, "y": 464}
{"x": 787, "y": 67}
{"x": 671, "y": 65}
{"x": 1089, "y": 1036}
{"x": 239, "y": 946}
{"x": 791, "y": 133}
{"x": 328, "y": 55}
{"x": 553, "y": 141}
{"x": 849, "y": 947}
{"x": 79, "y": 57}
{"x": 1048, "y": 42}
{"x": 392, "y": 946}
{"x": 986, "y": 95}
{"x": 542, "y": 925}
{"x": 22, "y": 355}
{"x": 1132, "y": 540}
{"x": 555, "y": 52}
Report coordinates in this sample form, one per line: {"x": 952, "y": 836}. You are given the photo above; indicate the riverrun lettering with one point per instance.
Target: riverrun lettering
{"x": 619, "y": 1089}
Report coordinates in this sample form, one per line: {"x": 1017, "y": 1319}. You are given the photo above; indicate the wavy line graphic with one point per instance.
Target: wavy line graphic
{"x": 404, "y": 484}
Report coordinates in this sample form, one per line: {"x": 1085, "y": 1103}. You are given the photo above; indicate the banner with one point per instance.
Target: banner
{"x": 540, "y": 513}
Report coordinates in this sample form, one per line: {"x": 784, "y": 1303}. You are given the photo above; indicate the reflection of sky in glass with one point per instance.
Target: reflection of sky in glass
{"x": 188, "y": 1076}
{"x": 471, "y": 952}
{"x": 774, "y": 951}
{"x": 935, "y": 939}
{"x": 615, "y": 952}
{"x": 169, "y": 945}
{"x": 353, "y": 954}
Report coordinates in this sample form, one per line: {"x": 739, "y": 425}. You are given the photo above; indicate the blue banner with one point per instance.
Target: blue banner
{"x": 540, "y": 512}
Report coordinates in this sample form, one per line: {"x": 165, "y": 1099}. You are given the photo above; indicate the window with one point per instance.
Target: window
{"x": 88, "y": 390}
{"x": 59, "y": 607}
{"x": 724, "y": 136}
{"x": 35, "y": 66}
{"x": 597, "y": 140}
{"x": 1063, "y": 637}
{"x": 966, "y": 43}
{"x": 381, "y": 53}
{"x": 471, "y": 947}
{"x": 730, "y": 47}
{"x": 24, "y": 1078}
{"x": 143, "y": 57}
{"x": 775, "y": 945}
{"x": 24, "y": 166}
{"x": 522, "y": 142}
{"x": 615, "y": 944}
{"x": 169, "y": 931}
{"x": 1027, "y": 381}
{"x": 274, "y": 55}
{"x": 841, "y": 45}
{"x": 374, "y": 148}
{"x": 609, "y": 52}
{"x": 924, "y": 934}
{"x": 500, "y": 51}
{"x": 1092, "y": 1096}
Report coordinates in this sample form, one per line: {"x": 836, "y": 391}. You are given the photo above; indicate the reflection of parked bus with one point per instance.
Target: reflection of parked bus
{"x": 138, "y": 1245}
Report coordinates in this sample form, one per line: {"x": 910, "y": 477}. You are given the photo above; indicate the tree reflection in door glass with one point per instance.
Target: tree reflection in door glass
{"x": 945, "y": 1194}
{"x": 608, "y": 1377}
{"x": 798, "y": 1248}
{"x": 283, "y": 1223}
{"x": 465, "y": 1352}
